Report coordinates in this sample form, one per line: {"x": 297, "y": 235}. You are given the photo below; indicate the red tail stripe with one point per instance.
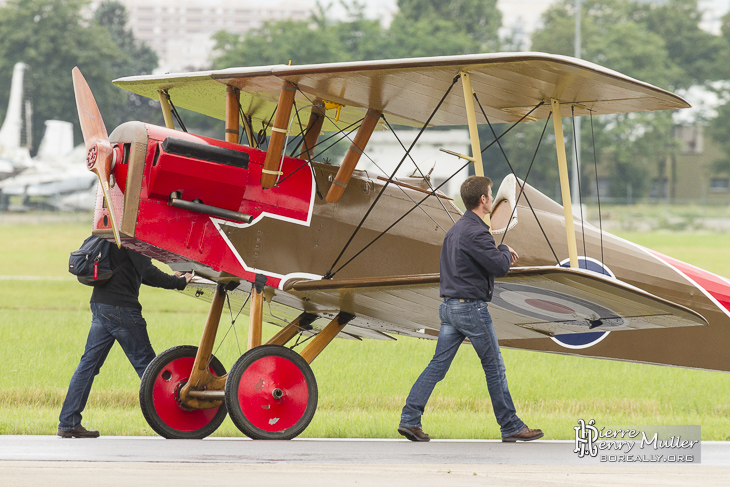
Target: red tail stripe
{"x": 715, "y": 285}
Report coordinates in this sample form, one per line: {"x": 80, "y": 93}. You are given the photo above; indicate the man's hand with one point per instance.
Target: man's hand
{"x": 514, "y": 255}
{"x": 188, "y": 276}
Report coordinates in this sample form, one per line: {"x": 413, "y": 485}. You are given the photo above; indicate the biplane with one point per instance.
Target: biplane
{"x": 325, "y": 251}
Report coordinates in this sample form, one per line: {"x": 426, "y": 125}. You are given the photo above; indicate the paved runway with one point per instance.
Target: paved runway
{"x": 142, "y": 461}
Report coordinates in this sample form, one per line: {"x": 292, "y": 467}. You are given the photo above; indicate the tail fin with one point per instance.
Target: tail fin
{"x": 57, "y": 142}
{"x": 10, "y": 131}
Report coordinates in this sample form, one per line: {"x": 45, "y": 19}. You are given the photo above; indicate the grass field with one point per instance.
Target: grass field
{"x": 43, "y": 326}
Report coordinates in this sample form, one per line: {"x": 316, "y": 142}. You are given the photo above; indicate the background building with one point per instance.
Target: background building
{"x": 180, "y": 30}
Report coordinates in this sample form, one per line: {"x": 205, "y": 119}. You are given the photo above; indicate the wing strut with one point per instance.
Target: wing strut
{"x": 233, "y": 114}
{"x": 471, "y": 118}
{"x": 314, "y": 128}
{"x": 353, "y": 156}
{"x": 256, "y": 312}
{"x": 166, "y": 110}
{"x": 279, "y": 131}
{"x": 564, "y": 183}
{"x": 325, "y": 336}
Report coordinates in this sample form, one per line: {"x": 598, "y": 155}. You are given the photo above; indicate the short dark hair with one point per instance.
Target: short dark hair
{"x": 472, "y": 190}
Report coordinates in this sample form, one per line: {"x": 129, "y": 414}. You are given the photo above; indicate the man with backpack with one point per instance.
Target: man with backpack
{"x": 116, "y": 316}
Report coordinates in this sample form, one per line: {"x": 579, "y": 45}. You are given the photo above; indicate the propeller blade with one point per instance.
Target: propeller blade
{"x": 99, "y": 153}
{"x": 92, "y": 125}
{"x": 103, "y": 173}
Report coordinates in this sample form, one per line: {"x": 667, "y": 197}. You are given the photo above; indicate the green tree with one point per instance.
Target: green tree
{"x": 136, "y": 59}
{"x": 361, "y": 38}
{"x": 610, "y": 37}
{"x": 313, "y": 41}
{"x": 479, "y": 19}
{"x": 697, "y": 53}
{"x": 53, "y": 36}
{"x": 278, "y": 43}
{"x": 719, "y": 130}
{"x": 427, "y": 37}
{"x": 421, "y": 28}
{"x": 630, "y": 38}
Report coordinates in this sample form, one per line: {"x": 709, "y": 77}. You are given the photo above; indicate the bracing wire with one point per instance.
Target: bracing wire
{"x": 302, "y": 130}
{"x": 233, "y": 323}
{"x": 174, "y": 112}
{"x": 430, "y": 186}
{"x": 332, "y": 274}
{"x": 329, "y": 274}
{"x": 518, "y": 181}
{"x": 580, "y": 192}
{"x": 436, "y": 189}
{"x": 322, "y": 152}
{"x": 524, "y": 181}
{"x": 598, "y": 194}
{"x": 264, "y": 127}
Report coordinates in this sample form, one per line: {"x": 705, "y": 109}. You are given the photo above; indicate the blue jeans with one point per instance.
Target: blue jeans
{"x": 108, "y": 324}
{"x": 470, "y": 320}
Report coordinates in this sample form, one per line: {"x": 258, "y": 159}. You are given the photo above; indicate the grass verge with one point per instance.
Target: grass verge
{"x": 43, "y": 326}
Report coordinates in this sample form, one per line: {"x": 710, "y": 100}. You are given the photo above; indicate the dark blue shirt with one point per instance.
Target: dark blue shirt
{"x": 470, "y": 260}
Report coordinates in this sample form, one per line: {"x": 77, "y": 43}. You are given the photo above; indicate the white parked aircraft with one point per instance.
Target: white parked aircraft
{"x": 56, "y": 177}
{"x": 13, "y": 157}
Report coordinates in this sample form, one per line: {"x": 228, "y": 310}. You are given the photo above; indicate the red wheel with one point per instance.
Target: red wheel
{"x": 159, "y": 396}
{"x": 271, "y": 393}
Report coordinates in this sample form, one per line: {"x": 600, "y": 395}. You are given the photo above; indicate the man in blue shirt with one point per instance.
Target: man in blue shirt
{"x": 470, "y": 260}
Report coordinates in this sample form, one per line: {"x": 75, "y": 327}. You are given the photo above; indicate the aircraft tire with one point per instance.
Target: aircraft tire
{"x": 158, "y": 396}
{"x": 271, "y": 393}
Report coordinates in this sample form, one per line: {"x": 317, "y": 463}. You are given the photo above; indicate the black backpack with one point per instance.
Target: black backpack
{"x": 91, "y": 264}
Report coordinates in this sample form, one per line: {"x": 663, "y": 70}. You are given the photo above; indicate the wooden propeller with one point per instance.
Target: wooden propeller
{"x": 99, "y": 153}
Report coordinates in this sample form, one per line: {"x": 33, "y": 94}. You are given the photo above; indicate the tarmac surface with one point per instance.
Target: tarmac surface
{"x": 150, "y": 461}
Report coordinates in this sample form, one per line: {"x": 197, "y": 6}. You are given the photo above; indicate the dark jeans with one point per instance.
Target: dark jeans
{"x": 108, "y": 323}
{"x": 470, "y": 320}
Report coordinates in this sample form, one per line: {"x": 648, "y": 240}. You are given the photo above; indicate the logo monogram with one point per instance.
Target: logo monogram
{"x": 586, "y": 436}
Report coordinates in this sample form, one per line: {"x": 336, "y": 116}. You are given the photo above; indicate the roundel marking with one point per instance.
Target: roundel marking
{"x": 584, "y": 340}
{"x": 547, "y": 305}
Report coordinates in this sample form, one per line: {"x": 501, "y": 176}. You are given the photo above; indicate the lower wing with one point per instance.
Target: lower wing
{"x": 529, "y": 302}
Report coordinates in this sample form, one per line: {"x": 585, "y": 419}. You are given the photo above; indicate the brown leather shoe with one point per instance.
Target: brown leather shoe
{"x": 526, "y": 434}
{"x": 79, "y": 432}
{"x": 413, "y": 434}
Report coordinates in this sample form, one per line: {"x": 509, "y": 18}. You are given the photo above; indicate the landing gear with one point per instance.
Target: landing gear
{"x": 159, "y": 396}
{"x": 271, "y": 393}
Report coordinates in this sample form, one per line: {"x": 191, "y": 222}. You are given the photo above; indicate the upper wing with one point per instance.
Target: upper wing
{"x": 508, "y": 85}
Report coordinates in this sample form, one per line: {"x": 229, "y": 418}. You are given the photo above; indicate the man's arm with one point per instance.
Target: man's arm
{"x": 495, "y": 260}
{"x": 152, "y": 276}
